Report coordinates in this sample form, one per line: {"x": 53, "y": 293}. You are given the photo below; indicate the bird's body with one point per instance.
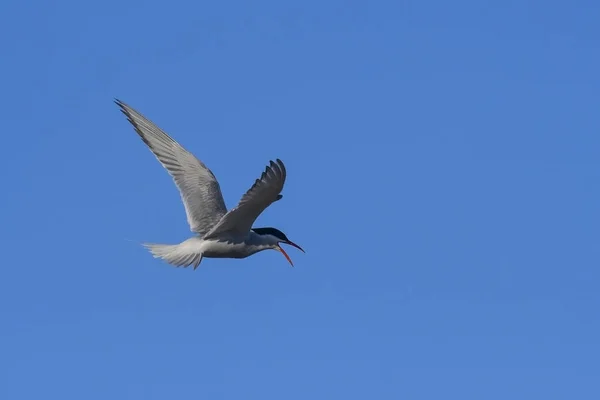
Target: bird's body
{"x": 226, "y": 246}
{"x": 219, "y": 233}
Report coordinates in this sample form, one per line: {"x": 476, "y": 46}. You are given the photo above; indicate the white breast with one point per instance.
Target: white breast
{"x": 227, "y": 249}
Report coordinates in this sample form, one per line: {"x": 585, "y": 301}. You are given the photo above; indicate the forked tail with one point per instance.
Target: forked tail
{"x": 179, "y": 255}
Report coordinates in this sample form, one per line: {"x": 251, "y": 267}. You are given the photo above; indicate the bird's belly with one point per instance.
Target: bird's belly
{"x": 225, "y": 249}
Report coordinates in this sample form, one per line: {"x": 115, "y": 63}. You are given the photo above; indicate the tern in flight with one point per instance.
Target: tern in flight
{"x": 219, "y": 233}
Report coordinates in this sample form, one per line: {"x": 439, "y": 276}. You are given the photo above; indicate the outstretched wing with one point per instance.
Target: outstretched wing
{"x": 263, "y": 193}
{"x": 198, "y": 187}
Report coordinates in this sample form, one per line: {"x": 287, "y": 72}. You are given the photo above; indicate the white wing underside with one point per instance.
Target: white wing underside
{"x": 198, "y": 187}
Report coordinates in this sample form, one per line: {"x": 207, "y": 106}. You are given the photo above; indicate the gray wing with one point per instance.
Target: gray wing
{"x": 262, "y": 194}
{"x": 198, "y": 187}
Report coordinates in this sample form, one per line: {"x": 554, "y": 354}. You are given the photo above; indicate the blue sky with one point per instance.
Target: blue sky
{"x": 443, "y": 177}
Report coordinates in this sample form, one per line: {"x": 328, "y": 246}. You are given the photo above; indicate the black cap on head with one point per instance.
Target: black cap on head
{"x": 271, "y": 231}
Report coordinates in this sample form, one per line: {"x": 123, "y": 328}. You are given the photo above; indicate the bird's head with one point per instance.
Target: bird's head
{"x": 274, "y": 237}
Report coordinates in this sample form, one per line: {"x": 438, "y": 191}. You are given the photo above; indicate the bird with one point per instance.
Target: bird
{"x": 218, "y": 232}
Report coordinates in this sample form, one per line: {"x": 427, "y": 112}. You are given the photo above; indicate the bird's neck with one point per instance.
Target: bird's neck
{"x": 258, "y": 242}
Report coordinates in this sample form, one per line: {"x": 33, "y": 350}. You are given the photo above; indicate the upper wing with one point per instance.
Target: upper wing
{"x": 198, "y": 187}
{"x": 265, "y": 191}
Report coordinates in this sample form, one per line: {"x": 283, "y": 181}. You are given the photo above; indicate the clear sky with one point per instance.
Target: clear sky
{"x": 443, "y": 177}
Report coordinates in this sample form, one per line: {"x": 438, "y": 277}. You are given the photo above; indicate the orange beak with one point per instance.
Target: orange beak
{"x": 285, "y": 254}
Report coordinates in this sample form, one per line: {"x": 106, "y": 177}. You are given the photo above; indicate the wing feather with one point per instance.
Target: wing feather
{"x": 262, "y": 194}
{"x": 198, "y": 186}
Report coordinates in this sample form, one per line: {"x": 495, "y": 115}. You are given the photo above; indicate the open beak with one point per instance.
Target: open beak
{"x": 285, "y": 254}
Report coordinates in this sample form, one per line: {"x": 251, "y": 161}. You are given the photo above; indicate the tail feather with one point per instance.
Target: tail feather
{"x": 179, "y": 255}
